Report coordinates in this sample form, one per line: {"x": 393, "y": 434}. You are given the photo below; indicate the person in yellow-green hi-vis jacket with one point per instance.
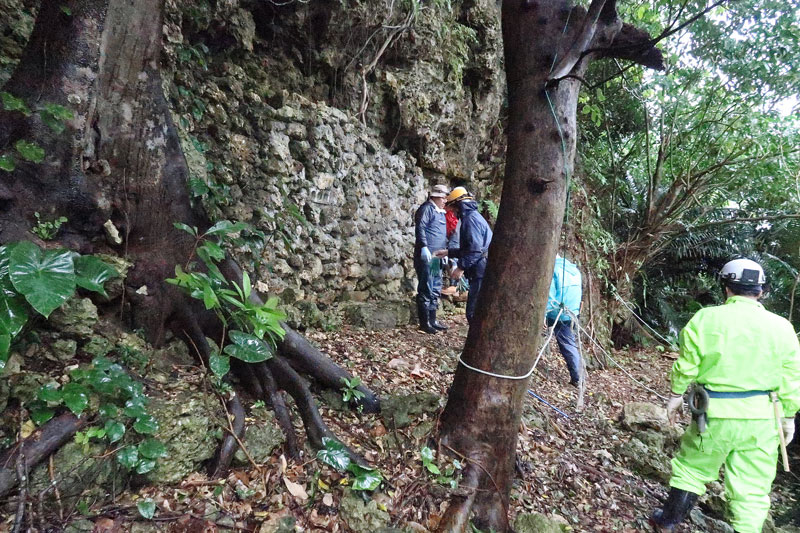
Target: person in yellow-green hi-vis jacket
{"x": 739, "y": 352}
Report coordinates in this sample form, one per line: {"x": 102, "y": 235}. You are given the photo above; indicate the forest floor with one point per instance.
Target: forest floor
{"x": 568, "y": 465}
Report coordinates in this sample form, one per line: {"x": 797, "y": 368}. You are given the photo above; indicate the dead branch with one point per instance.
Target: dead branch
{"x": 575, "y": 52}
{"x": 22, "y": 479}
{"x": 38, "y": 446}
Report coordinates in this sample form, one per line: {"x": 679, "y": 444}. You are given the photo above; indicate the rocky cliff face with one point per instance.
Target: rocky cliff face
{"x": 323, "y": 124}
{"x": 16, "y": 23}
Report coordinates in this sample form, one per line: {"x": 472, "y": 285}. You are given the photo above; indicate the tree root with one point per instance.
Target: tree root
{"x": 304, "y": 357}
{"x": 267, "y": 379}
{"x": 279, "y": 407}
{"x": 298, "y": 389}
{"x": 37, "y": 447}
{"x": 231, "y": 442}
{"x": 143, "y": 205}
{"x": 456, "y": 517}
{"x": 307, "y": 359}
{"x": 486, "y": 507}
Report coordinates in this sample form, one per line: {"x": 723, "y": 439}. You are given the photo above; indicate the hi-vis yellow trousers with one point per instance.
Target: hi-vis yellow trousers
{"x": 748, "y": 449}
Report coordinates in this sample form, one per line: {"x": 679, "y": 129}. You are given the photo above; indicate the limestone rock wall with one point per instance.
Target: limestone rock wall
{"x": 16, "y": 23}
{"x": 286, "y": 126}
{"x": 323, "y": 124}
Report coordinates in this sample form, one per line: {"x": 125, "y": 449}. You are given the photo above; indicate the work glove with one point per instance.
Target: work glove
{"x": 787, "y": 425}
{"x": 674, "y": 406}
{"x": 426, "y": 255}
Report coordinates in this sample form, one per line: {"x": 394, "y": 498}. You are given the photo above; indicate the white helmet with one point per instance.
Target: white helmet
{"x": 743, "y": 272}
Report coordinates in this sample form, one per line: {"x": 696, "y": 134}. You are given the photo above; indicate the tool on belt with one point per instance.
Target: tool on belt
{"x": 774, "y": 397}
{"x": 698, "y": 404}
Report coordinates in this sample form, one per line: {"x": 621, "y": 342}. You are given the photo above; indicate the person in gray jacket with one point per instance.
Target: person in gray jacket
{"x": 474, "y": 239}
{"x": 431, "y": 235}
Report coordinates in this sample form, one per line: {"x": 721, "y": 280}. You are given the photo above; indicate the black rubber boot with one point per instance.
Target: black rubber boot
{"x": 424, "y": 320}
{"x": 435, "y": 323}
{"x": 675, "y": 510}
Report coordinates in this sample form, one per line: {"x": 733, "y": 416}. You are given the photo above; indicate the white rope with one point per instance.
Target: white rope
{"x": 584, "y": 373}
{"x": 629, "y": 308}
{"x": 552, "y": 328}
{"x": 618, "y": 365}
{"x": 536, "y": 362}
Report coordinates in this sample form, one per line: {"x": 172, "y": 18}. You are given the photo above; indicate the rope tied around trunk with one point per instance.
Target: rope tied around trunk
{"x": 536, "y": 362}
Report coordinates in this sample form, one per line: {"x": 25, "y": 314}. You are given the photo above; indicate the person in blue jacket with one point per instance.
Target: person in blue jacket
{"x": 474, "y": 238}
{"x": 431, "y": 235}
{"x": 565, "y": 290}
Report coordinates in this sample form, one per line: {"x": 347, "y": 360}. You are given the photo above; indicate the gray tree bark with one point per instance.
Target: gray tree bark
{"x": 482, "y": 415}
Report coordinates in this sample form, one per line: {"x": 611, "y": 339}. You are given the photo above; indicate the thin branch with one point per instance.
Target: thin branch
{"x": 575, "y": 52}
{"x": 23, "y": 493}
{"x": 791, "y": 300}
{"x": 574, "y": 77}
{"x": 617, "y": 74}
{"x": 678, "y": 15}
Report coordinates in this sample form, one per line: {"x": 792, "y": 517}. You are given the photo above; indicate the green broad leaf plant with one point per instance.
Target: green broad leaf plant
{"x": 54, "y": 116}
{"x": 121, "y": 410}
{"x": 251, "y": 330}
{"x": 47, "y": 229}
{"x": 36, "y": 281}
{"x": 334, "y": 454}
{"x": 350, "y": 392}
{"x": 448, "y": 475}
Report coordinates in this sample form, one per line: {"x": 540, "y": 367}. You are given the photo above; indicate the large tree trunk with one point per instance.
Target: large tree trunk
{"x": 482, "y": 414}
{"x": 119, "y": 160}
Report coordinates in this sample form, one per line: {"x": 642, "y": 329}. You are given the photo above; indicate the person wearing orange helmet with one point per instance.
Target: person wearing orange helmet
{"x": 474, "y": 238}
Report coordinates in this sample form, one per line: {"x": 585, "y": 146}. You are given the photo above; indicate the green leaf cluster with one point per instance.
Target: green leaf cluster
{"x": 52, "y": 115}
{"x": 670, "y": 160}
{"x": 47, "y": 229}
{"x": 120, "y": 403}
{"x": 37, "y": 281}
{"x": 450, "y": 474}
{"x": 252, "y": 329}
{"x": 350, "y": 390}
{"x": 194, "y": 54}
{"x": 335, "y": 454}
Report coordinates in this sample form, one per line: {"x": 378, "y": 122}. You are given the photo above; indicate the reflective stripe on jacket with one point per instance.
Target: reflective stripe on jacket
{"x": 740, "y": 346}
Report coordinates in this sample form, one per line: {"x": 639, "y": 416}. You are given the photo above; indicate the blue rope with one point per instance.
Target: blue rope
{"x": 550, "y": 405}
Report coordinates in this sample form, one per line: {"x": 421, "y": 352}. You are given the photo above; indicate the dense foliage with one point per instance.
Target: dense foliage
{"x": 698, "y": 164}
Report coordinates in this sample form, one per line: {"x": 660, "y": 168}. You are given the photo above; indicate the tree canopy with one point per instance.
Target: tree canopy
{"x": 697, "y": 164}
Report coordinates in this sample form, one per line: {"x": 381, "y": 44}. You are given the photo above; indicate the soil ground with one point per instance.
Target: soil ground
{"x": 567, "y": 465}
